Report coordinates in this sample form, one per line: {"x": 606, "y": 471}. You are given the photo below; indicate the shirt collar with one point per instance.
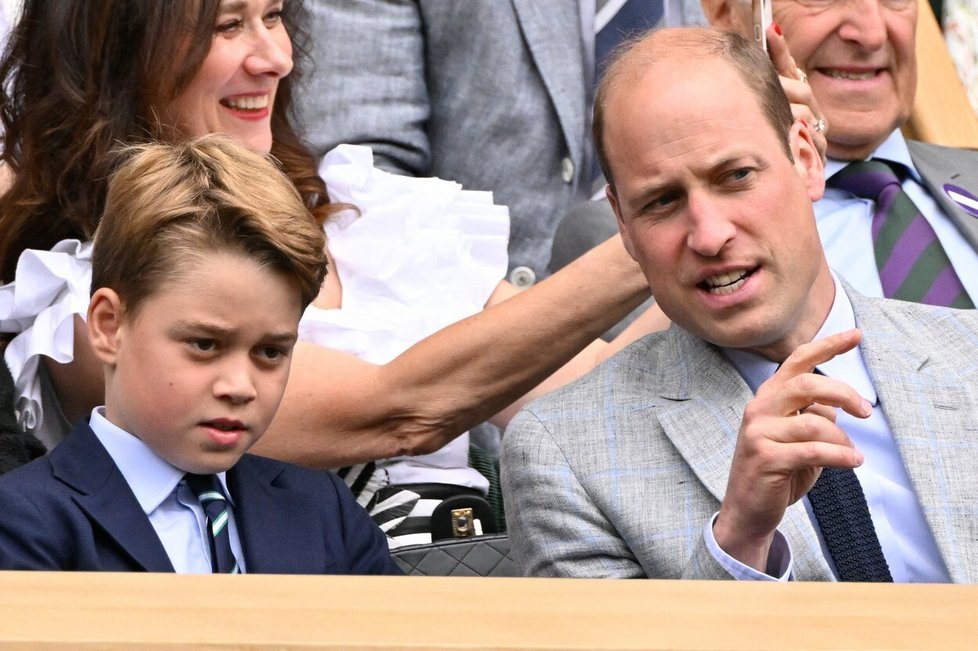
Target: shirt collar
{"x": 894, "y": 148}
{"x": 151, "y": 478}
{"x": 848, "y": 367}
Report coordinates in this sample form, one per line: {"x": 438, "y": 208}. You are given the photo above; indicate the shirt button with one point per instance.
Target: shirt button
{"x": 522, "y": 277}
{"x": 567, "y": 170}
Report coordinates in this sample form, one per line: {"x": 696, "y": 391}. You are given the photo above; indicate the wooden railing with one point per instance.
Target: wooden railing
{"x": 139, "y": 611}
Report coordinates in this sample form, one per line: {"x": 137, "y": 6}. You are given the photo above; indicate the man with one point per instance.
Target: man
{"x": 860, "y": 60}
{"x": 690, "y": 453}
{"x": 494, "y": 94}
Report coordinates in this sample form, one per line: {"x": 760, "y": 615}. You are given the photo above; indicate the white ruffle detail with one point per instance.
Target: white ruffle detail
{"x": 419, "y": 255}
{"x": 49, "y": 289}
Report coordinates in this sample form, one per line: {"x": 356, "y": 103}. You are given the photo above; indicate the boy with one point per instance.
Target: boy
{"x": 203, "y": 263}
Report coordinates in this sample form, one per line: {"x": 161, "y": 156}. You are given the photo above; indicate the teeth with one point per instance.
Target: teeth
{"x": 841, "y": 74}
{"x": 248, "y": 103}
{"x": 726, "y": 283}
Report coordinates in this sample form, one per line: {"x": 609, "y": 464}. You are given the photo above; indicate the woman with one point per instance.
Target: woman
{"x": 125, "y": 71}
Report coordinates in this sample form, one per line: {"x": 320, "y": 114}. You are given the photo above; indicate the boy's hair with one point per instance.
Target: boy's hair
{"x": 169, "y": 204}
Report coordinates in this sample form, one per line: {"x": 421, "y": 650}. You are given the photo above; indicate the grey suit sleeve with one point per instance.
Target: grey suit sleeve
{"x": 554, "y": 526}
{"x": 366, "y": 84}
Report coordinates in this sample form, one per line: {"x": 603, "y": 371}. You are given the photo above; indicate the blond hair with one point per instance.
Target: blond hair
{"x": 171, "y": 204}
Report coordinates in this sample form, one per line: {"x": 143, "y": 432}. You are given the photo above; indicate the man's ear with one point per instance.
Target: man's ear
{"x": 720, "y": 14}
{"x": 808, "y": 161}
{"x": 626, "y": 239}
{"x": 106, "y": 312}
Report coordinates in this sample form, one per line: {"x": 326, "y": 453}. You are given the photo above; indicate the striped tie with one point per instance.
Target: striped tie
{"x": 208, "y": 490}
{"x": 913, "y": 265}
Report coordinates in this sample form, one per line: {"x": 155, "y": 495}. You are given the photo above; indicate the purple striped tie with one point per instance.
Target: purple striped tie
{"x": 913, "y": 265}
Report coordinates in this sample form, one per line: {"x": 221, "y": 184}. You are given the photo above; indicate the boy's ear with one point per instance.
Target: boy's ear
{"x": 105, "y": 314}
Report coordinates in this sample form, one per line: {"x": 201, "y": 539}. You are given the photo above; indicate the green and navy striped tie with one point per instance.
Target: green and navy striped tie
{"x": 913, "y": 265}
{"x": 208, "y": 490}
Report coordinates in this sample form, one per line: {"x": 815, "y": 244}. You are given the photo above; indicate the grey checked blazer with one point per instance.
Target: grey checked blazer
{"x": 617, "y": 474}
{"x": 489, "y": 93}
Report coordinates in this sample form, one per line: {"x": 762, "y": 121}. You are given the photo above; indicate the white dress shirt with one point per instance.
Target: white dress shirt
{"x": 845, "y": 226}
{"x": 172, "y": 508}
{"x": 905, "y": 538}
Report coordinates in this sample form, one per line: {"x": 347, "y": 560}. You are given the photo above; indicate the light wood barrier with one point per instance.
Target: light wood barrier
{"x": 138, "y": 611}
{"x": 941, "y": 112}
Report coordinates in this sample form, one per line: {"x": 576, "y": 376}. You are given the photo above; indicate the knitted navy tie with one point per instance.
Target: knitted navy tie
{"x": 208, "y": 490}
{"x": 913, "y": 265}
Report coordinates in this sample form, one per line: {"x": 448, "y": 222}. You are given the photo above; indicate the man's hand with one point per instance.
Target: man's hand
{"x": 788, "y": 434}
{"x": 804, "y": 106}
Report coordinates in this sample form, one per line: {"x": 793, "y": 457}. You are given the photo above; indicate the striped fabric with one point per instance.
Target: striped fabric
{"x": 912, "y": 263}
{"x": 404, "y": 512}
{"x": 208, "y": 490}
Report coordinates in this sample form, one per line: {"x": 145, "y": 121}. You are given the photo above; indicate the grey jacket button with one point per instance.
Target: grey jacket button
{"x": 567, "y": 170}
{"x": 522, "y": 277}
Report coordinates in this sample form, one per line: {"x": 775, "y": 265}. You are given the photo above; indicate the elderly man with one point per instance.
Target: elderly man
{"x": 724, "y": 447}
{"x": 917, "y": 240}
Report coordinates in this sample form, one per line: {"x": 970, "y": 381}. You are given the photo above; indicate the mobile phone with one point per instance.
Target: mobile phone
{"x": 761, "y": 10}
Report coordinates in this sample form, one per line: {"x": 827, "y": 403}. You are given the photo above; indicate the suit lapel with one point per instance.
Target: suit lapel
{"x": 704, "y": 431}
{"x": 944, "y": 165}
{"x": 928, "y": 405}
{"x": 559, "y": 59}
{"x": 277, "y": 527}
{"x": 83, "y": 464}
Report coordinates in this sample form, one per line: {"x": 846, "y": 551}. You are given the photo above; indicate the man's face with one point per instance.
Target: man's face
{"x": 860, "y": 60}
{"x": 716, "y": 214}
{"x": 199, "y": 369}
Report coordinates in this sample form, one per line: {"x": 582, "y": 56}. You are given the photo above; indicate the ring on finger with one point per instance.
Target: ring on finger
{"x": 802, "y": 77}
{"x": 820, "y": 125}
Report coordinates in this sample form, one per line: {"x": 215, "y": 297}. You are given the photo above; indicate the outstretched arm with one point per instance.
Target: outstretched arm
{"x": 338, "y": 410}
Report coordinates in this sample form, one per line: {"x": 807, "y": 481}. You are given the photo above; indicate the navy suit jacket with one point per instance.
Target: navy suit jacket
{"x": 73, "y": 510}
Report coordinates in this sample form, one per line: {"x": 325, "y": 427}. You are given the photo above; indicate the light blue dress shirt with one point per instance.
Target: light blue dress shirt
{"x": 906, "y": 539}
{"x": 168, "y": 502}
{"x": 845, "y": 227}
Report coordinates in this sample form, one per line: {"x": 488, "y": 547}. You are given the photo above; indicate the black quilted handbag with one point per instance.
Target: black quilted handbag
{"x": 487, "y": 555}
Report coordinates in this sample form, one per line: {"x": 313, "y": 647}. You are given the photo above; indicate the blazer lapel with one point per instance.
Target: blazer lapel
{"x": 83, "y": 464}
{"x": 278, "y": 528}
{"x": 929, "y": 405}
{"x": 558, "y": 56}
{"x": 705, "y": 429}
{"x": 940, "y": 166}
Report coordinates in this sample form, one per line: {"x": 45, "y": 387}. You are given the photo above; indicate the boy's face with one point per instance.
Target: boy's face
{"x": 198, "y": 372}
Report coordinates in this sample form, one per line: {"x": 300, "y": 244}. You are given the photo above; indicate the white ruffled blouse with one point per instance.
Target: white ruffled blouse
{"x": 418, "y": 255}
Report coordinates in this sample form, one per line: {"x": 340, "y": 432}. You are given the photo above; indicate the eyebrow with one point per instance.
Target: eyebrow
{"x": 231, "y": 6}
{"x": 186, "y": 328}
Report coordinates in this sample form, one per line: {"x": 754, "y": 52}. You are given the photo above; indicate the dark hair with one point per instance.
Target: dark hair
{"x": 751, "y": 63}
{"x": 79, "y": 77}
{"x": 170, "y": 205}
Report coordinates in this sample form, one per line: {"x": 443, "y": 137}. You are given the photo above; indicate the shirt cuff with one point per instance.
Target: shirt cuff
{"x": 778, "y": 560}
